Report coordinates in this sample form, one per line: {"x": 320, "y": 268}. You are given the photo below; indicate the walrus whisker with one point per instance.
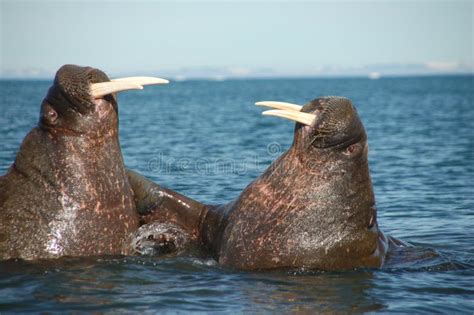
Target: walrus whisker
{"x": 142, "y": 80}
{"x": 104, "y": 88}
{"x": 280, "y": 105}
{"x": 300, "y": 117}
{"x": 317, "y": 137}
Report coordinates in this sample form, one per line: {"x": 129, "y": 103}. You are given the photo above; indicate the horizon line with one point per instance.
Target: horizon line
{"x": 218, "y": 78}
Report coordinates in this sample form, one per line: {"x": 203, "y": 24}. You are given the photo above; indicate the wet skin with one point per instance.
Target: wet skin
{"x": 67, "y": 193}
{"x": 314, "y": 207}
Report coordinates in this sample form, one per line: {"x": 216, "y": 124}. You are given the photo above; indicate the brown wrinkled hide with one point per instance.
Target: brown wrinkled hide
{"x": 156, "y": 204}
{"x": 314, "y": 207}
{"x": 67, "y": 194}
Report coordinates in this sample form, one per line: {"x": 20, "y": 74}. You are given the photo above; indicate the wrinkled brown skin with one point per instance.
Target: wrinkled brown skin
{"x": 158, "y": 204}
{"x": 313, "y": 208}
{"x": 67, "y": 193}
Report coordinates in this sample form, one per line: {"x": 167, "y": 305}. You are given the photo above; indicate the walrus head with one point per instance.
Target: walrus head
{"x": 314, "y": 207}
{"x": 82, "y": 101}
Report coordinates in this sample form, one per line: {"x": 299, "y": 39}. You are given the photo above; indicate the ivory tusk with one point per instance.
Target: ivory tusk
{"x": 104, "y": 88}
{"x": 280, "y": 105}
{"x": 142, "y": 80}
{"x": 304, "y": 118}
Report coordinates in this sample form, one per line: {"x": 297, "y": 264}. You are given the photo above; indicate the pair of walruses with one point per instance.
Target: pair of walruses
{"x": 68, "y": 192}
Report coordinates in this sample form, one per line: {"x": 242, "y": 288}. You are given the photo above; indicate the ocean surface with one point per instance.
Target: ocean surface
{"x": 207, "y": 140}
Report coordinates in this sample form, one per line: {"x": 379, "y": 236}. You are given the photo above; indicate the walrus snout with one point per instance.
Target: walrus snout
{"x": 82, "y": 97}
{"x": 87, "y": 83}
{"x": 321, "y": 113}
{"x": 323, "y": 122}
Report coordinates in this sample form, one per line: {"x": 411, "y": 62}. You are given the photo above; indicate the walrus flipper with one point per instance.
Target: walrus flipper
{"x": 169, "y": 221}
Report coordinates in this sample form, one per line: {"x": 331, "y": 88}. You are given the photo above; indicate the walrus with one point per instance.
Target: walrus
{"x": 314, "y": 207}
{"x": 67, "y": 192}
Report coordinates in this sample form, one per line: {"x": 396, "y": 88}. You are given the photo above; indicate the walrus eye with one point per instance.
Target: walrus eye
{"x": 350, "y": 149}
{"x": 51, "y": 115}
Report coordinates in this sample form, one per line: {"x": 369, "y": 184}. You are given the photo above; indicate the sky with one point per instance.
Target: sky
{"x": 228, "y": 38}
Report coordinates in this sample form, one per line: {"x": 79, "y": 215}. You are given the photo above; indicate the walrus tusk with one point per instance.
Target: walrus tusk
{"x": 300, "y": 117}
{"x": 142, "y": 80}
{"x": 123, "y": 84}
{"x": 280, "y": 105}
{"x": 103, "y": 88}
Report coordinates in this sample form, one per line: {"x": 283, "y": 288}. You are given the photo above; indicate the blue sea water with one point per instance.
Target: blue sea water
{"x": 207, "y": 140}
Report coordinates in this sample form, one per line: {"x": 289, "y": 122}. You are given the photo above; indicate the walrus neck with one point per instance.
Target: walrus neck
{"x": 66, "y": 153}
{"x": 103, "y": 142}
{"x": 88, "y": 138}
{"x": 214, "y": 219}
{"x": 287, "y": 169}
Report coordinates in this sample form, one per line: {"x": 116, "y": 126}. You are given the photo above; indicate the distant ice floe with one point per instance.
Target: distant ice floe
{"x": 442, "y": 66}
{"x": 374, "y": 75}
